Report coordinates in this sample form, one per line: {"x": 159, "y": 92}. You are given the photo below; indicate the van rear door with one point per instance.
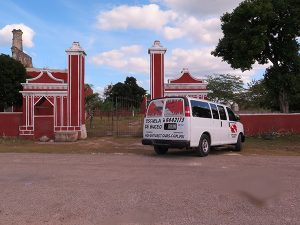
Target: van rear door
{"x": 165, "y": 120}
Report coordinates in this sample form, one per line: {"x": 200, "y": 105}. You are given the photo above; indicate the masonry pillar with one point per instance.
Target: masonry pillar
{"x": 75, "y": 107}
{"x": 157, "y": 52}
{"x": 17, "y": 39}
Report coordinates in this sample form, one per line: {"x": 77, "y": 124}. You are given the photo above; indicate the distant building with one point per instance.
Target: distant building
{"x": 184, "y": 85}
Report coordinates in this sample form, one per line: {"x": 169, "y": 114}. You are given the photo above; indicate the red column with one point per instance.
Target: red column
{"x": 75, "y": 102}
{"x": 157, "y": 52}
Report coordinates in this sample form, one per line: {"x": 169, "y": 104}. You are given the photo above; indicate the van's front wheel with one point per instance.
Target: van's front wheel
{"x": 160, "y": 150}
{"x": 204, "y": 145}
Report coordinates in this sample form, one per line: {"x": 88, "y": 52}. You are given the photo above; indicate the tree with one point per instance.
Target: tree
{"x": 225, "y": 88}
{"x": 92, "y": 103}
{"x": 129, "y": 89}
{"x": 257, "y": 97}
{"x": 264, "y": 31}
{"x": 12, "y": 74}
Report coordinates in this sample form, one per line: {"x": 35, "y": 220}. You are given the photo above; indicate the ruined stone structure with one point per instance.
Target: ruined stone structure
{"x": 17, "y": 49}
{"x": 184, "y": 85}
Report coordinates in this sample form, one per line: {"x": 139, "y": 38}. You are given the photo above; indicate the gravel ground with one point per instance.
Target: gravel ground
{"x": 148, "y": 189}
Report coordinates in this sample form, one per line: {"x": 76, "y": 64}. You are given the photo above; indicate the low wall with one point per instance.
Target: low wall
{"x": 257, "y": 124}
{"x": 9, "y": 123}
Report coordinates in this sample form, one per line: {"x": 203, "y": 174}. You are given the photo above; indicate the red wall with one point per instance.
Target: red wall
{"x": 9, "y": 124}
{"x": 256, "y": 124}
{"x": 43, "y": 125}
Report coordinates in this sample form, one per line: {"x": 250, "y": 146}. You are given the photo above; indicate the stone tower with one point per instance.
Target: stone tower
{"x": 17, "y": 39}
{"x": 157, "y": 52}
{"x": 17, "y": 49}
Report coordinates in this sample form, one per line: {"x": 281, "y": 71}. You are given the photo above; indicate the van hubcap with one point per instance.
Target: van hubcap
{"x": 205, "y": 145}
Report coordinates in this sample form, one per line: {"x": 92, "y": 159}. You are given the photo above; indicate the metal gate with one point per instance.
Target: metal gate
{"x": 119, "y": 117}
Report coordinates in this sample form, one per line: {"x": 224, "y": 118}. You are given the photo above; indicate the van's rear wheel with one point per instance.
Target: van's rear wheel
{"x": 238, "y": 145}
{"x": 160, "y": 150}
{"x": 204, "y": 145}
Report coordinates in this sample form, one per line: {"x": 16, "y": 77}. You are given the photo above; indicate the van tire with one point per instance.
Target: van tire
{"x": 160, "y": 150}
{"x": 204, "y": 146}
{"x": 238, "y": 145}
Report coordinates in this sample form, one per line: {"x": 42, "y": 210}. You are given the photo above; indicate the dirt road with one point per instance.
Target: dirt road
{"x": 148, "y": 189}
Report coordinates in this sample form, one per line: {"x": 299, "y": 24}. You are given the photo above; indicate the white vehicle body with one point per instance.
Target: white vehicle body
{"x": 182, "y": 121}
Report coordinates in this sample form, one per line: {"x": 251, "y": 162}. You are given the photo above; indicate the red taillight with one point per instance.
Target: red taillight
{"x": 187, "y": 111}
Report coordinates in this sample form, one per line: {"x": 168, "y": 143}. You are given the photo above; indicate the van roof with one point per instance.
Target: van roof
{"x": 190, "y": 98}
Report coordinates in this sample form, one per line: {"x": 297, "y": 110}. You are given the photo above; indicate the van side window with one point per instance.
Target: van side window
{"x": 155, "y": 108}
{"x": 200, "y": 109}
{"x": 231, "y": 115}
{"x": 214, "y": 110}
{"x": 222, "y": 112}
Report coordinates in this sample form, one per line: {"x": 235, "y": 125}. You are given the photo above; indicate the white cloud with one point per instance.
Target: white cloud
{"x": 166, "y": 22}
{"x": 6, "y": 35}
{"x": 201, "y": 8}
{"x": 201, "y": 64}
{"x": 173, "y": 33}
{"x": 205, "y": 31}
{"x": 100, "y": 91}
{"x": 139, "y": 17}
{"x": 196, "y": 20}
{"x": 126, "y": 59}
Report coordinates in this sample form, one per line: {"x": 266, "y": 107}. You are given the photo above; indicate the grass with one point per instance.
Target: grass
{"x": 105, "y": 125}
{"x": 280, "y": 145}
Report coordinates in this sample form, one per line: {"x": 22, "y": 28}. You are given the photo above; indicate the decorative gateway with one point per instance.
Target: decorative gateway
{"x": 53, "y": 100}
{"x": 184, "y": 122}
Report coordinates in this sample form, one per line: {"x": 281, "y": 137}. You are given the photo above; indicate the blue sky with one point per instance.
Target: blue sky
{"x": 117, "y": 34}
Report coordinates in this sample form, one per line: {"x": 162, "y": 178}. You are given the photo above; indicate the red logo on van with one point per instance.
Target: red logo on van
{"x": 233, "y": 128}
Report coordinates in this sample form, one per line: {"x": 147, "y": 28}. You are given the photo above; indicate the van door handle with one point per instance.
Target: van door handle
{"x": 221, "y": 124}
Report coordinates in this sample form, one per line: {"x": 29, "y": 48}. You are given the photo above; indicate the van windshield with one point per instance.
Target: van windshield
{"x": 155, "y": 108}
{"x": 174, "y": 107}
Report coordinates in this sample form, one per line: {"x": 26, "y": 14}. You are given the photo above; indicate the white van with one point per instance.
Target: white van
{"x": 184, "y": 122}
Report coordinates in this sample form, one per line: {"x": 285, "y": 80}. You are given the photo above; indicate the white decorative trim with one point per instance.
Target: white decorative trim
{"x": 161, "y": 76}
{"x": 50, "y": 86}
{"x": 49, "y": 75}
{"x": 1, "y": 113}
{"x": 44, "y": 116}
{"x": 52, "y": 70}
{"x": 78, "y": 87}
{"x": 188, "y": 91}
{"x": 44, "y": 93}
{"x": 55, "y": 111}
{"x": 152, "y": 75}
{"x": 79, "y": 91}
{"x": 61, "y": 110}
{"x": 70, "y": 93}
{"x": 32, "y": 110}
{"x": 27, "y": 111}
{"x": 75, "y": 49}
{"x": 185, "y": 86}
{"x": 157, "y": 48}
{"x": 45, "y": 98}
